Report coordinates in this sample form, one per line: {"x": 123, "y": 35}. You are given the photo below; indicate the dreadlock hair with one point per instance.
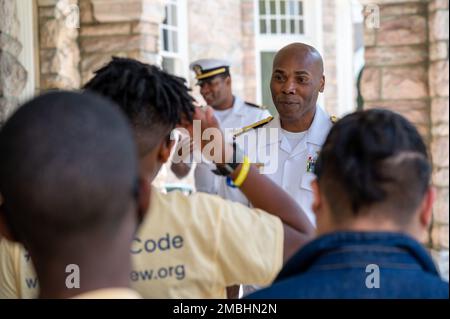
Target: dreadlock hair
{"x": 373, "y": 157}
{"x": 153, "y": 100}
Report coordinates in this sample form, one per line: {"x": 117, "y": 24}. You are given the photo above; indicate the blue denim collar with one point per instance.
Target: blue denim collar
{"x": 326, "y": 244}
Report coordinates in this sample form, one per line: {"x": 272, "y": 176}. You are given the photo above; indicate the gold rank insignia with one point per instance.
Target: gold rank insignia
{"x": 252, "y": 126}
{"x": 197, "y": 69}
{"x": 262, "y": 107}
{"x": 334, "y": 119}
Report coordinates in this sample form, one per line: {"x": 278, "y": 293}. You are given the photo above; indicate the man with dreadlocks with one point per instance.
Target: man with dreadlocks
{"x": 196, "y": 246}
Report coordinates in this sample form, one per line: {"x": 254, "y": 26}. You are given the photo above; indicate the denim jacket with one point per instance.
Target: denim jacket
{"x": 359, "y": 265}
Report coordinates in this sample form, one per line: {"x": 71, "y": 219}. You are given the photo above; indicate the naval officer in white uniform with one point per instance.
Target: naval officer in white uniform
{"x": 231, "y": 111}
{"x": 287, "y": 146}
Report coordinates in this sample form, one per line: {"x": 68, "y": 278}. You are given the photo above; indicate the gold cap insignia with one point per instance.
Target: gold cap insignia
{"x": 197, "y": 69}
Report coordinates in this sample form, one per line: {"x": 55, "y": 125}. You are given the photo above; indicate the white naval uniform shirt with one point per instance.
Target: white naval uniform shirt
{"x": 241, "y": 115}
{"x": 287, "y": 167}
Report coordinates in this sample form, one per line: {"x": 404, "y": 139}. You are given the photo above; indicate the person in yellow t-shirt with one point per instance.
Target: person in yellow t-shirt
{"x": 53, "y": 184}
{"x": 191, "y": 246}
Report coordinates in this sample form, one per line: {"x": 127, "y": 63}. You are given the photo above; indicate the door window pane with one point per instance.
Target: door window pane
{"x": 283, "y": 26}
{"x": 262, "y": 26}
{"x": 266, "y": 74}
{"x": 273, "y": 26}
{"x": 281, "y": 16}
{"x": 262, "y": 7}
{"x": 273, "y": 7}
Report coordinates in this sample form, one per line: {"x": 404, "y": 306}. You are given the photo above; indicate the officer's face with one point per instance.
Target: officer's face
{"x": 215, "y": 91}
{"x": 296, "y": 82}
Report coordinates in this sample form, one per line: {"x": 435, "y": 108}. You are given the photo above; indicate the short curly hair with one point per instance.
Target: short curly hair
{"x": 373, "y": 157}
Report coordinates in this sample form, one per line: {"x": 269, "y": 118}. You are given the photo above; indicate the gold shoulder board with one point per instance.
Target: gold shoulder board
{"x": 253, "y": 126}
{"x": 256, "y": 105}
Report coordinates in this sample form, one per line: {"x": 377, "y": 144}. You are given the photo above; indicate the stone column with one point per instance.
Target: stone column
{"x": 13, "y": 75}
{"x": 58, "y": 44}
{"x": 118, "y": 28}
{"x": 439, "y": 89}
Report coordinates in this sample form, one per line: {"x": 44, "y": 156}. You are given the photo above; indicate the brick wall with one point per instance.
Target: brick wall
{"x": 70, "y": 53}
{"x": 120, "y": 28}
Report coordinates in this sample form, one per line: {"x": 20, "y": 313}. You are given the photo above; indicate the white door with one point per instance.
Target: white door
{"x": 173, "y": 38}
{"x": 278, "y": 23}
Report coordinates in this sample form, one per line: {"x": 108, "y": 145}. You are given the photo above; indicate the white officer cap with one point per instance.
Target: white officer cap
{"x": 207, "y": 68}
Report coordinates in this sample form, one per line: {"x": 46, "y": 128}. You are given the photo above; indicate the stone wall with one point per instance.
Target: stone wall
{"x": 69, "y": 53}
{"x": 407, "y": 71}
{"x": 396, "y": 69}
{"x": 13, "y": 75}
{"x": 58, "y": 44}
{"x": 439, "y": 91}
{"x": 118, "y": 28}
{"x": 217, "y": 34}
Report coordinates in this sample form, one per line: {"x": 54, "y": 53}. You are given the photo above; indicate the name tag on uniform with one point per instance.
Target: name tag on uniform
{"x": 311, "y": 163}
{"x": 308, "y": 175}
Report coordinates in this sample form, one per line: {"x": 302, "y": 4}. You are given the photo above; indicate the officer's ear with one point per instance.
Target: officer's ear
{"x": 322, "y": 84}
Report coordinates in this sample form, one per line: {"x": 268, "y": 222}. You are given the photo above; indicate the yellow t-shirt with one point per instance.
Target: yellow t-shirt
{"x": 17, "y": 276}
{"x": 187, "y": 247}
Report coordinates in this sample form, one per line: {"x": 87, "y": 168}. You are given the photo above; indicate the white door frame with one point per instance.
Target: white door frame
{"x": 271, "y": 43}
{"x": 28, "y": 56}
{"x": 345, "y": 56}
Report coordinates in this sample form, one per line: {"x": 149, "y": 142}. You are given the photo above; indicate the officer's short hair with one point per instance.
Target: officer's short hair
{"x": 374, "y": 157}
